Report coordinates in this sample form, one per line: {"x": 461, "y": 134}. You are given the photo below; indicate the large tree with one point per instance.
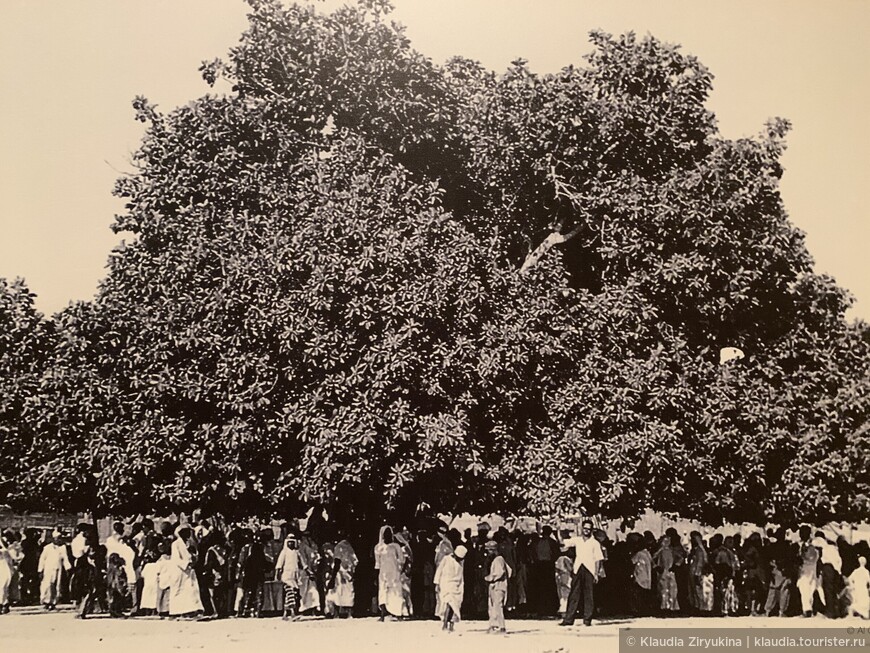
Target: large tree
{"x": 367, "y": 280}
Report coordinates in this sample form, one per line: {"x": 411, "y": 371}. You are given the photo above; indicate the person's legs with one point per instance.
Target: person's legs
{"x": 206, "y": 594}
{"x": 491, "y": 610}
{"x": 133, "y": 591}
{"x": 588, "y": 589}
{"x": 291, "y": 600}
{"x": 807, "y": 587}
{"x": 772, "y": 602}
{"x": 219, "y": 598}
{"x": 245, "y": 604}
{"x": 636, "y": 599}
{"x": 785, "y": 598}
{"x": 497, "y": 599}
{"x": 258, "y": 601}
{"x": 448, "y": 618}
{"x": 573, "y": 600}
{"x": 87, "y": 604}
{"x": 829, "y": 588}
{"x": 4, "y": 594}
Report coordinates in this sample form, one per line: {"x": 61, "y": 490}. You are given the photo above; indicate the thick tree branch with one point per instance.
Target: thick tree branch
{"x": 555, "y": 238}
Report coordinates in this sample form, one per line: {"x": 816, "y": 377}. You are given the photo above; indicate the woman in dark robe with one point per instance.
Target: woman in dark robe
{"x": 236, "y": 541}
{"x": 216, "y": 574}
{"x": 252, "y": 571}
{"x": 508, "y": 550}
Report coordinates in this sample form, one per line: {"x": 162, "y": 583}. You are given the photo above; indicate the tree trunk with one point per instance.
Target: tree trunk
{"x": 554, "y": 238}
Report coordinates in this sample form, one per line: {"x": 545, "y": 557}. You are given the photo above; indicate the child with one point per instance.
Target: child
{"x": 164, "y": 571}
{"x": 496, "y": 580}
{"x": 150, "y": 591}
{"x": 116, "y": 585}
{"x": 287, "y": 571}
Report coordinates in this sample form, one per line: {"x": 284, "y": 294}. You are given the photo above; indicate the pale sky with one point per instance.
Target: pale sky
{"x": 69, "y": 70}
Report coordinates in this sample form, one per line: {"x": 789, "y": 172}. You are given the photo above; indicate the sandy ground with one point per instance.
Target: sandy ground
{"x": 31, "y": 630}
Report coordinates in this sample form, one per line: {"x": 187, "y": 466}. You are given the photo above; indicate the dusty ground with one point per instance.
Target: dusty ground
{"x": 30, "y": 630}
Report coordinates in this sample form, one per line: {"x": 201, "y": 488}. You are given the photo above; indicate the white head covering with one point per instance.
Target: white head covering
{"x": 460, "y": 552}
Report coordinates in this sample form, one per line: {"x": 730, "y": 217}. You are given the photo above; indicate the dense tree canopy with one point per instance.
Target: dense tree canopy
{"x": 369, "y": 281}
{"x": 26, "y": 340}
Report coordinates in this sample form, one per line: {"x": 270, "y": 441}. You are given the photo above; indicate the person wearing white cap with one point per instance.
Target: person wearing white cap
{"x": 51, "y": 563}
{"x": 288, "y": 570}
{"x": 450, "y": 585}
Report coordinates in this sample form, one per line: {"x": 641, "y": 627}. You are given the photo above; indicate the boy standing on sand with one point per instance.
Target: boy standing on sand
{"x": 497, "y": 581}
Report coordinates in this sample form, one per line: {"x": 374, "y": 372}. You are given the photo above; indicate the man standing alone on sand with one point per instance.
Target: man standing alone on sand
{"x": 587, "y": 568}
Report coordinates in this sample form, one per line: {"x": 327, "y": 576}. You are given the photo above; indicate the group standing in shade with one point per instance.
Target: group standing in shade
{"x": 208, "y": 571}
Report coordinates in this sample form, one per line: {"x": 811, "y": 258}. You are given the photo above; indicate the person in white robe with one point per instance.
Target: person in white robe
{"x": 79, "y": 544}
{"x": 288, "y": 570}
{"x": 165, "y": 573}
{"x": 52, "y": 562}
{"x": 859, "y": 590}
{"x": 443, "y": 550}
{"x": 309, "y": 556}
{"x": 7, "y": 570}
{"x": 450, "y": 585}
{"x": 150, "y": 590}
{"x": 344, "y": 593}
{"x": 389, "y": 559}
{"x": 184, "y": 597}
{"x": 497, "y": 583}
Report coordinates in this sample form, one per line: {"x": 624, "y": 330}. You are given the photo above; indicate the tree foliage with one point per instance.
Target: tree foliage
{"x": 366, "y": 280}
{"x": 25, "y": 343}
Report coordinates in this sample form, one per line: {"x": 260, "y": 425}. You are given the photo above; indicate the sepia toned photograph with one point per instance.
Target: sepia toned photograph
{"x": 390, "y": 325}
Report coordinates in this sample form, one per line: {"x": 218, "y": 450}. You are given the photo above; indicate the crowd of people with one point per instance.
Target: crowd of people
{"x": 208, "y": 570}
